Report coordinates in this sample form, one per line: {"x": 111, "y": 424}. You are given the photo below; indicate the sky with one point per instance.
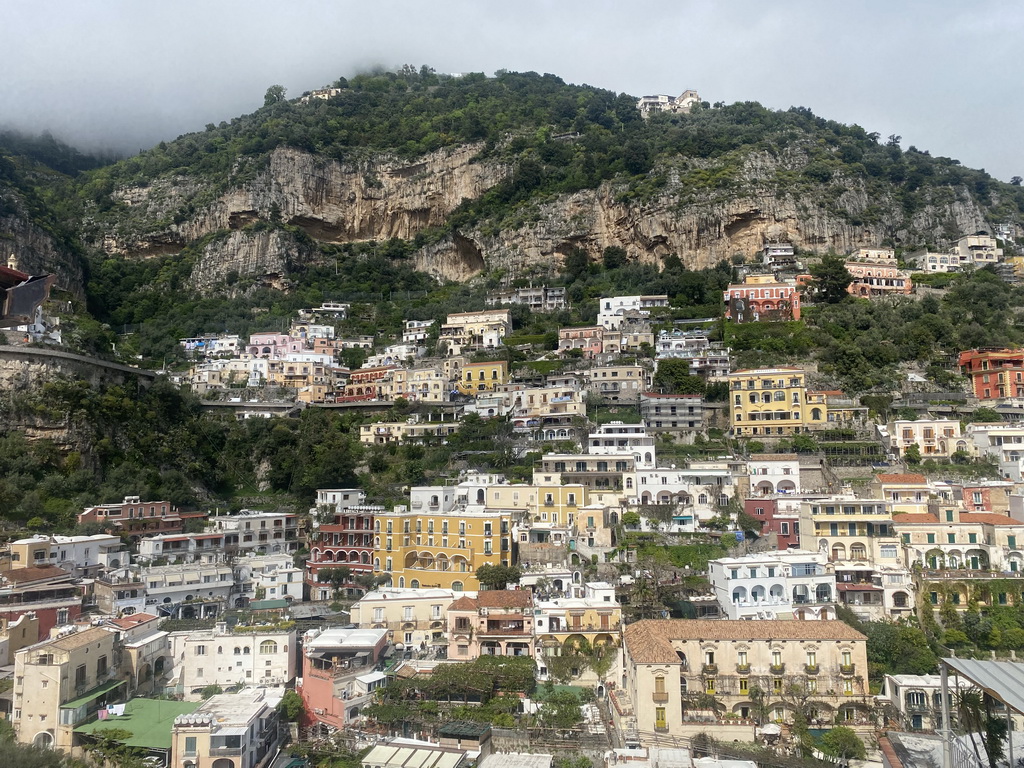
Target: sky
{"x": 125, "y": 74}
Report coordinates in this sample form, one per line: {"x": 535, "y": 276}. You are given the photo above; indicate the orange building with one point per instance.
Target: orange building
{"x": 876, "y": 279}
{"x": 994, "y": 373}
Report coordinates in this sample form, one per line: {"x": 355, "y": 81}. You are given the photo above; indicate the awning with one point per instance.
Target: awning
{"x": 236, "y": 731}
{"x": 92, "y": 695}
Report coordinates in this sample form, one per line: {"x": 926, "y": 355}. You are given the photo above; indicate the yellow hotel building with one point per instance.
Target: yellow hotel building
{"x": 773, "y": 402}
{"x": 440, "y": 540}
{"x": 482, "y": 377}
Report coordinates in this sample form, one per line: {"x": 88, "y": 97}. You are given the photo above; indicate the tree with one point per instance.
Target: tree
{"x": 831, "y": 279}
{"x": 912, "y": 454}
{"x": 843, "y": 743}
{"x": 614, "y": 257}
{"x": 290, "y": 707}
{"x": 984, "y": 415}
{"x": 673, "y": 376}
{"x": 336, "y": 577}
{"x": 577, "y": 264}
{"x": 1016, "y": 180}
{"x": 274, "y": 95}
{"x": 211, "y": 690}
{"x": 498, "y": 576}
{"x": 561, "y": 709}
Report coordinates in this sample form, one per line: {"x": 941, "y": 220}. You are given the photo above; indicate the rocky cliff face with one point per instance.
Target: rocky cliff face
{"x": 381, "y": 198}
{"x": 36, "y": 250}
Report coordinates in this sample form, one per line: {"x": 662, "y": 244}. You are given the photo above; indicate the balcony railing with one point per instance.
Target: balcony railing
{"x": 710, "y": 669}
{"x": 777, "y": 669}
{"x": 847, "y": 669}
{"x": 659, "y": 697}
{"x": 743, "y": 669}
{"x": 811, "y": 669}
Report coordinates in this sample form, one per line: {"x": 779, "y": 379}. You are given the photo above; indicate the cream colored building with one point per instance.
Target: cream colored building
{"x": 225, "y": 657}
{"x": 229, "y": 730}
{"x": 414, "y": 617}
{"x": 412, "y": 429}
{"x": 670, "y": 666}
{"x": 60, "y": 683}
{"x": 935, "y": 438}
{"x": 476, "y": 330}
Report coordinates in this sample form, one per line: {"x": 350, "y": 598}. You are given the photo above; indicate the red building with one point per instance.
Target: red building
{"x": 994, "y": 372}
{"x": 46, "y": 590}
{"x": 778, "y": 514}
{"x": 348, "y": 542}
{"x": 762, "y": 298}
{"x": 134, "y": 516}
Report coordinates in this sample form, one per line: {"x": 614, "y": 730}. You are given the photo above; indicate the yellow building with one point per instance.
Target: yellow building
{"x": 568, "y": 625}
{"x": 441, "y": 539}
{"x": 482, "y": 377}
{"x": 773, "y": 402}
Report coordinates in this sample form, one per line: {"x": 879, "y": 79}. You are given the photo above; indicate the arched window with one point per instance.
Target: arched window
{"x": 456, "y": 586}
{"x": 268, "y": 646}
{"x": 238, "y": 651}
{"x": 246, "y": 650}
{"x": 220, "y": 649}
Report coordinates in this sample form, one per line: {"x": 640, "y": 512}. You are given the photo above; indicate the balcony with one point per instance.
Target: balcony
{"x": 710, "y": 669}
{"x": 847, "y": 669}
{"x": 659, "y": 697}
{"x": 811, "y": 669}
{"x": 743, "y": 669}
{"x": 777, "y": 669}
{"x": 216, "y": 752}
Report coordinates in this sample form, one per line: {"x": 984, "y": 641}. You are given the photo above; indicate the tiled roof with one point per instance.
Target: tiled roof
{"x": 505, "y": 598}
{"x": 773, "y": 457}
{"x": 133, "y": 620}
{"x": 34, "y": 573}
{"x": 650, "y": 641}
{"x": 463, "y": 604}
{"x": 911, "y": 517}
{"x": 991, "y": 518}
{"x": 80, "y": 639}
{"x": 903, "y": 479}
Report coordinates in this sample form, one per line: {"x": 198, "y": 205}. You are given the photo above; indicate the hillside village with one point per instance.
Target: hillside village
{"x": 692, "y": 548}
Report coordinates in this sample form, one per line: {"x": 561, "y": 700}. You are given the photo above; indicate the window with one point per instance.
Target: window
{"x": 951, "y": 538}
{"x": 709, "y": 686}
{"x": 659, "y": 718}
{"x": 268, "y": 646}
{"x": 777, "y": 684}
{"x": 190, "y": 746}
{"x": 776, "y": 658}
{"x": 931, "y": 538}
{"x": 743, "y": 685}
{"x": 200, "y": 650}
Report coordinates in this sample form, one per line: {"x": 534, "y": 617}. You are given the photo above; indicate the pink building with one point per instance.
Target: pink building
{"x": 498, "y": 622}
{"x": 872, "y": 279}
{"x": 273, "y": 345}
{"x": 134, "y": 516}
{"x": 339, "y": 675}
{"x": 590, "y": 339}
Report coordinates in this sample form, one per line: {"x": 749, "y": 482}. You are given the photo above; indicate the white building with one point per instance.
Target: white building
{"x": 188, "y": 590}
{"x": 269, "y": 577}
{"x": 255, "y": 531}
{"x": 699, "y": 490}
{"x": 792, "y": 583}
{"x": 617, "y": 438}
{"x": 614, "y": 309}
{"x": 226, "y": 657}
{"x": 81, "y": 556}
{"x": 774, "y": 473}
{"x": 396, "y": 354}
{"x": 244, "y": 726}
{"x": 416, "y": 331}
{"x": 1003, "y": 443}
{"x": 917, "y": 699}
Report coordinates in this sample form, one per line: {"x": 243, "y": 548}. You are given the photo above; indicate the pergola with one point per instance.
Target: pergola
{"x": 1002, "y": 680}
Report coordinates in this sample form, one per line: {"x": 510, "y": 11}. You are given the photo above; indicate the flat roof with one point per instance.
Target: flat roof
{"x": 148, "y": 720}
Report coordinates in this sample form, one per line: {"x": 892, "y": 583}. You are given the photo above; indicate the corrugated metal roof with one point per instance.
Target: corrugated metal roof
{"x": 1002, "y": 679}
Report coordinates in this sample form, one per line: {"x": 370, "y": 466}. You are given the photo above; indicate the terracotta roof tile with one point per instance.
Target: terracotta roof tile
{"x": 911, "y": 517}
{"x": 133, "y": 620}
{"x": 773, "y": 457}
{"x": 991, "y": 518}
{"x": 463, "y": 604}
{"x": 505, "y": 598}
{"x": 34, "y": 573}
{"x": 650, "y": 641}
{"x": 903, "y": 479}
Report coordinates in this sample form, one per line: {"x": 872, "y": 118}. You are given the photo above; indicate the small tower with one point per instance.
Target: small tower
{"x": 12, "y": 262}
